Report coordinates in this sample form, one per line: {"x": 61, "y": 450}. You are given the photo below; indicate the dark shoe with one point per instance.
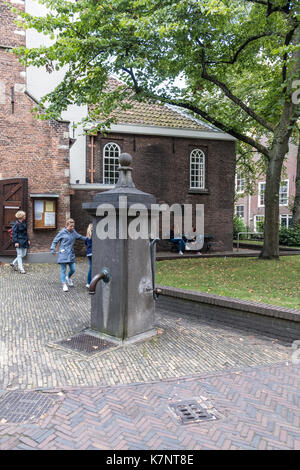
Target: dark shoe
{"x": 14, "y": 266}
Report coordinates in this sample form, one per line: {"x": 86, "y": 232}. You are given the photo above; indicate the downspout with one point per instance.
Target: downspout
{"x": 91, "y": 170}
{"x": 249, "y": 208}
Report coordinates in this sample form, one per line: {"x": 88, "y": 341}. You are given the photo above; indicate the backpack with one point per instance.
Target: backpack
{"x": 10, "y": 231}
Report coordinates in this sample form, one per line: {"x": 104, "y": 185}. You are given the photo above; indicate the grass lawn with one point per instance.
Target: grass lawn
{"x": 268, "y": 281}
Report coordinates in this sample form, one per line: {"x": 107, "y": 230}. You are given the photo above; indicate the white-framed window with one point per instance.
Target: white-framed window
{"x": 285, "y": 220}
{"x": 258, "y": 218}
{"x": 197, "y": 169}
{"x": 261, "y": 194}
{"x": 111, "y": 153}
{"x": 240, "y": 211}
{"x": 239, "y": 183}
{"x": 284, "y": 193}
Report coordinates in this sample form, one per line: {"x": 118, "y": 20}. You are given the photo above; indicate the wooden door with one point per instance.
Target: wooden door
{"x": 13, "y": 197}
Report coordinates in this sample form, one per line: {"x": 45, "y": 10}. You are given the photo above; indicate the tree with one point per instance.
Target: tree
{"x": 296, "y": 205}
{"x": 239, "y": 59}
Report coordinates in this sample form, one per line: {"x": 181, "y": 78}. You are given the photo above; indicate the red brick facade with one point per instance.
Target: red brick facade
{"x": 161, "y": 167}
{"x": 30, "y": 148}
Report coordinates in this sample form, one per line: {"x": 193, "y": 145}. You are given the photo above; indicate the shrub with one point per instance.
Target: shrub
{"x": 289, "y": 236}
{"x": 260, "y": 227}
{"x": 239, "y": 226}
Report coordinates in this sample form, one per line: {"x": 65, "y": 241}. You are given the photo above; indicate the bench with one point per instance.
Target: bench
{"x": 207, "y": 245}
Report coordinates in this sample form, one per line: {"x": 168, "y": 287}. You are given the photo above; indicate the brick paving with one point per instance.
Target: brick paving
{"x": 257, "y": 408}
{"x": 119, "y": 399}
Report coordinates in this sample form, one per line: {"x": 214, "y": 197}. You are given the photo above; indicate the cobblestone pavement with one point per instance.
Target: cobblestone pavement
{"x": 99, "y": 402}
{"x": 256, "y": 408}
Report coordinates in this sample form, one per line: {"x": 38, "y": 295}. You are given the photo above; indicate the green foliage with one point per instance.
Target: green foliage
{"x": 289, "y": 236}
{"x": 149, "y": 43}
{"x": 260, "y": 226}
{"x": 238, "y": 226}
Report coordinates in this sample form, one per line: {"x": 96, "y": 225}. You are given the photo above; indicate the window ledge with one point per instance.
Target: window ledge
{"x": 92, "y": 186}
{"x": 198, "y": 191}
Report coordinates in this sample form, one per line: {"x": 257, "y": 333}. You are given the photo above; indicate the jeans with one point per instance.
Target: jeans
{"x": 89, "y": 278}
{"x": 63, "y": 268}
{"x": 21, "y": 253}
{"x": 180, "y": 243}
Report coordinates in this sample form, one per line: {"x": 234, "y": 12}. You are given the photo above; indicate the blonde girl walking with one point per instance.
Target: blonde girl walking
{"x": 88, "y": 243}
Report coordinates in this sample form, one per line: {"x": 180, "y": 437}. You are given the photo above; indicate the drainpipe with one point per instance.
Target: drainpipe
{"x": 92, "y": 160}
{"x": 249, "y": 208}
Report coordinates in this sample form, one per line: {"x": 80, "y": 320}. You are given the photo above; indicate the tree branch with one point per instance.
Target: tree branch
{"x": 287, "y": 41}
{"x": 240, "y": 49}
{"x": 270, "y": 8}
{"x": 233, "y": 97}
{"x": 131, "y": 74}
{"x": 228, "y": 129}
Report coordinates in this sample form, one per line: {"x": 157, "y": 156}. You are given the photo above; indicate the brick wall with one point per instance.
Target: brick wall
{"x": 30, "y": 148}
{"x": 161, "y": 167}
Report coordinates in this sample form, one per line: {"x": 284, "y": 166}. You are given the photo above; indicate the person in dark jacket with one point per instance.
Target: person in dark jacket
{"x": 21, "y": 241}
{"x": 88, "y": 243}
{"x": 177, "y": 238}
{"x": 66, "y": 256}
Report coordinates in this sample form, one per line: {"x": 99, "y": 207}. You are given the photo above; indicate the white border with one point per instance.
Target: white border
{"x": 167, "y": 132}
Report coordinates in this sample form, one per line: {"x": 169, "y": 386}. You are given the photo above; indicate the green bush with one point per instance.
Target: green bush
{"x": 289, "y": 236}
{"x": 260, "y": 228}
{"x": 239, "y": 226}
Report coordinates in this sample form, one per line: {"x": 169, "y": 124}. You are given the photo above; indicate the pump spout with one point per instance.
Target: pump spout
{"x": 104, "y": 275}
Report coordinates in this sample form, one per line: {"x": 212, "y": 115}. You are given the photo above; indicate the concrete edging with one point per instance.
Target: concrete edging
{"x": 267, "y": 319}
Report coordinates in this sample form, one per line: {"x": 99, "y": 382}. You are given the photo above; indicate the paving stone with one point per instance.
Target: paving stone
{"x": 120, "y": 400}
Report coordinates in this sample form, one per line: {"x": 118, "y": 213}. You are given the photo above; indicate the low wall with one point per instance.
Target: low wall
{"x": 277, "y": 322}
{"x": 251, "y": 246}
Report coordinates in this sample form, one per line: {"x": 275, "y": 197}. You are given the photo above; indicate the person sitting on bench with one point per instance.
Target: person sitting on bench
{"x": 176, "y": 238}
{"x": 195, "y": 241}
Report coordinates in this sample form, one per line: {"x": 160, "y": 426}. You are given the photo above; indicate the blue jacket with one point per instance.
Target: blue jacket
{"x": 88, "y": 243}
{"x": 66, "y": 250}
{"x": 19, "y": 234}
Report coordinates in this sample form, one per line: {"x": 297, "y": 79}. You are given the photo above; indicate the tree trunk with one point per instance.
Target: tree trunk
{"x": 271, "y": 223}
{"x": 279, "y": 149}
{"x": 296, "y": 208}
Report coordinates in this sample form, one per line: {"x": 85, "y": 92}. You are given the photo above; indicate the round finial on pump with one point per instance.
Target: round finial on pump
{"x": 125, "y": 159}
{"x": 125, "y": 178}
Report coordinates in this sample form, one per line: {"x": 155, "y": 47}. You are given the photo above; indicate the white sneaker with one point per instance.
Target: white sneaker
{"x": 180, "y": 252}
{"x": 69, "y": 281}
{"x": 187, "y": 248}
{"x": 87, "y": 286}
{"x": 65, "y": 288}
{"x": 22, "y": 271}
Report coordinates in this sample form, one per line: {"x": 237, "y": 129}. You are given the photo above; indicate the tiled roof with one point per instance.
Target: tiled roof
{"x": 157, "y": 115}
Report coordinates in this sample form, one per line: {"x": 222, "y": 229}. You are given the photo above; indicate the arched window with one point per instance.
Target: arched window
{"x": 197, "y": 169}
{"x": 111, "y": 153}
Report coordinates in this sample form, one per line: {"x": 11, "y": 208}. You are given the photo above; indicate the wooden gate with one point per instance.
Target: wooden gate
{"x": 13, "y": 197}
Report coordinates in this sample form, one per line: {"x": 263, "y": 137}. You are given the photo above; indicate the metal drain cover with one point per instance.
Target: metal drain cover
{"x": 85, "y": 344}
{"x": 191, "y": 412}
{"x": 17, "y": 407}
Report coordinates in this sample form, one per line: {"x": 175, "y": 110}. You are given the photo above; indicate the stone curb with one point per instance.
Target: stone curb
{"x": 222, "y": 301}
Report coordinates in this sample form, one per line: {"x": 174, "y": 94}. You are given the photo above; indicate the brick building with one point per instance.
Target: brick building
{"x": 34, "y": 155}
{"x": 251, "y": 208}
{"x": 175, "y": 157}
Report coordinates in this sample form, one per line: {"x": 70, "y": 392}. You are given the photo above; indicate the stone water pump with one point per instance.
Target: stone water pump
{"x": 123, "y": 268}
